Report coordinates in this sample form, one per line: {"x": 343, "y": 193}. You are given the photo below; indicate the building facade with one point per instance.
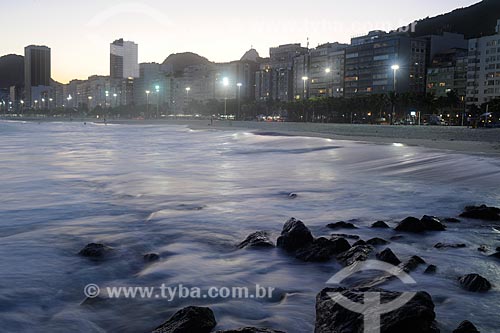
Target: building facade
{"x": 301, "y": 80}
{"x": 483, "y": 72}
{"x": 326, "y": 70}
{"x": 447, "y": 73}
{"x": 124, "y": 61}
{"x": 37, "y": 73}
{"x": 282, "y": 75}
{"x": 369, "y": 61}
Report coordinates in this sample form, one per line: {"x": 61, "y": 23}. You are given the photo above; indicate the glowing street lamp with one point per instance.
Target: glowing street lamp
{"x": 239, "y": 85}
{"x": 186, "y": 101}
{"x": 395, "y": 69}
{"x": 328, "y": 71}
{"x": 157, "y": 89}
{"x": 147, "y": 102}
{"x": 225, "y": 83}
{"x": 305, "y": 79}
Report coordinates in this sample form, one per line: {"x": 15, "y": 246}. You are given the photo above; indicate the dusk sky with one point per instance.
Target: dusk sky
{"x": 79, "y": 32}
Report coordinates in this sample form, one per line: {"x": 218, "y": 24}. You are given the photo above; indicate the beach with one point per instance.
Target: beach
{"x": 457, "y": 139}
{"x": 185, "y": 196}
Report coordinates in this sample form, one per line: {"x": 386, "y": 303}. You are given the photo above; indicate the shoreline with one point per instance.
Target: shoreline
{"x": 452, "y": 139}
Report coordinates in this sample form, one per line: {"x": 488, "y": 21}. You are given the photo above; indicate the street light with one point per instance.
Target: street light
{"x": 239, "y": 85}
{"x": 395, "y": 69}
{"x": 90, "y": 102}
{"x": 188, "y": 89}
{"x": 225, "y": 83}
{"x": 328, "y": 71}
{"x": 115, "y": 95}
{"x": 50, "y": 101}
{"x": 106, "y": 95}
{"x": 157, "y": 89}
{"x": 147, "y": 102}
{"x": 304, "y": 79}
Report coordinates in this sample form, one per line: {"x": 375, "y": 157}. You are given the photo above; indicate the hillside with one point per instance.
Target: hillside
{"x": 474, "y": 21}
{"x": 11, "y": 70}
{"x": 177, "y": 62}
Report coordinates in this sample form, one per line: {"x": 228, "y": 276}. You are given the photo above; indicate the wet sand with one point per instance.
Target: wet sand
{"x": 457, "y": 139}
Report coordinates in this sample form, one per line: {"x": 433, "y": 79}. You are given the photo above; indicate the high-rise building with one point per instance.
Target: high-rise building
{"x": 124, "y": 60}
{"x": 483, "y": 73}
{"x": 150, "y": 77}
{"x": 281, "y": 62}
{"x": 448, "y": 73}
{"x": 301, "y": 80}
{"x": 263, "y": 81}
{"x": 37, "y": 73}
{"x": 326, "y": 70}
{"x": 369, "y": 61}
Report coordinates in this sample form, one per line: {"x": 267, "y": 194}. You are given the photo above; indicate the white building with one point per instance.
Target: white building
{"x": 124, "y": 59}
{"x": 483, "y": 72}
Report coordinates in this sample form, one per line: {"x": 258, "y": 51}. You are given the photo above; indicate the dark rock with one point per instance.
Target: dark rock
{"x": 189, "y": 320}
{"x": 496, "y": 255}
{"x": 466, "y": 327}
{"x": 377, "y": 241}
{"x": 483, "y": 248}
{"x": 451, "y": 220}
{"x": 257, "y": 239}
{"x": 294, "y": 235}
{"x": 475, "y": 283}
{"x": 356, "y": 253}
{"x": 341, "y": 225}
{"x": 251, "y": 330}
{"x": 359, "y": 242}
{"x": 498, "y": 249}
{"x": 413, "y": 263}
{"x": 431, "y": 269}
{"x": 451, "y": 246}
{"x": 292, "y": 195}
{"x": 151, "y": 257}
{"x": 411, "y": 224}
{"x": 322, "y": 249}
{"x": 482, "y": 213}
{"x": 432, "y": 223}
{"x": 346, "y": 236}
{"x": 388, "y": 256}
{"x": 94, "y": 250}
{"x": 416, "y": 316}
{"x": 340, "y": 244}
{"x": 380, "y": 224}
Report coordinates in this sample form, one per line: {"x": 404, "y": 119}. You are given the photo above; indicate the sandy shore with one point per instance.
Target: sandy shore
{"x": 457, "y": 139}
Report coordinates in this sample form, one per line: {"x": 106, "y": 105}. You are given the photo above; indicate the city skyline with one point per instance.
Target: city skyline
{"x": 163, "y": 29}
